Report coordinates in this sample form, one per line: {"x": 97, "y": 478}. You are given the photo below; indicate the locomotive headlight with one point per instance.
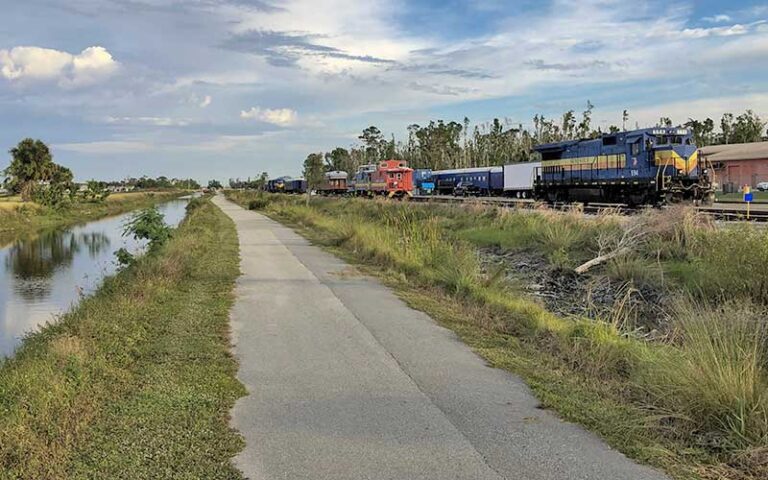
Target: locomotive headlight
{"x": 706, "y": 171}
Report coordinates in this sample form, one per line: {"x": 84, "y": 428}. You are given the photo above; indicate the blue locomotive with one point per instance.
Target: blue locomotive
{"x": 653, "y": 165}
{"x": 287, "y": 185}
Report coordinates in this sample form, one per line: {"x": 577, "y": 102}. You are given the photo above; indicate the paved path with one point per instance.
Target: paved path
{"x": 347, "y": 382}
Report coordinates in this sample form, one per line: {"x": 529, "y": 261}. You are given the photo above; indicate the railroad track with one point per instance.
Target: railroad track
{"x": 720, "y": 211}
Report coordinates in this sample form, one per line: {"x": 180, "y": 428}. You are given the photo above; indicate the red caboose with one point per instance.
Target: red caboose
{"x": 393, "y": 178}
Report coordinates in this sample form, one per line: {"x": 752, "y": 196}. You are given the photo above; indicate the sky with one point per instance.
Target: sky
{"x": 230, "y": 88}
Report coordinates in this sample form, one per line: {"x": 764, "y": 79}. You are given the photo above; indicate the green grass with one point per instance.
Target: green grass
{"x": 18, "y": 219}
{"x": 137, "y": 381}
{"x": 673, "y": 403}
{"x": 739, "y": 197}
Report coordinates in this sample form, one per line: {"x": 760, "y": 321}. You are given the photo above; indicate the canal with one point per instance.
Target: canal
{"x": 44, "y": 276}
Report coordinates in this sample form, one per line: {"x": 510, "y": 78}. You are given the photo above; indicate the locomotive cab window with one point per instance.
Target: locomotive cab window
{"x": 636, "y": 148}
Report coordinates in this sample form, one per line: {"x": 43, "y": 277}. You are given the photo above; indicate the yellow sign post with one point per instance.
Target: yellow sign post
{"x": 748, "y": 197}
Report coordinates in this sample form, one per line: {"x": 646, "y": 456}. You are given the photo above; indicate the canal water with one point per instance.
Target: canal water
{"x": 44, "y": 276}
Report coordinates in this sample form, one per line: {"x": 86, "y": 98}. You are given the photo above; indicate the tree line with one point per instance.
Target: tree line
{"x": 441, "y": 145}
{"x": 34, "y": 176}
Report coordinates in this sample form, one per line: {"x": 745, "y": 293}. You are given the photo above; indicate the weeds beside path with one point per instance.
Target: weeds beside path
{"x": 137, "y": 381}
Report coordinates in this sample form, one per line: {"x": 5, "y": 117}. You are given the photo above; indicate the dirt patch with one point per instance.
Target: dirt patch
{"x": 591, "y": 295}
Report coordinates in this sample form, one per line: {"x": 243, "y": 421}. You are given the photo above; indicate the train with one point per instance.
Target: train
{"x": 513, "y": 180}
{"x": 645, "y": 166}
{"x": 286, "y": 185}
{"x": 390, "y": 178}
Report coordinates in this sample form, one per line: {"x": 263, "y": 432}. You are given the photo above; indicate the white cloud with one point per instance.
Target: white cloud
{"x": 280, "y": 116}
{"x": 205, "y": 102}
{"x": 105, "y": 147}
{"x": 717, "y": 18}
{"x": 35, "y": 63}
{"x": 153, "y": 121}
{"x": 714, "y": 31}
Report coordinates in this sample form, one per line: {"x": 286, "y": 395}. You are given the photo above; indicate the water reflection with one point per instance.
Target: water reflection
{"x": 44, "y": 275}
{"x": 34, "y": 261}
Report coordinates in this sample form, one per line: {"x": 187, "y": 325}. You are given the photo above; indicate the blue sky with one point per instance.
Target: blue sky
{"x": 227, "y": 88}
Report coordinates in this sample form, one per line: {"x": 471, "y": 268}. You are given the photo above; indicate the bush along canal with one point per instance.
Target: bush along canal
{"x": 137, "y": 380}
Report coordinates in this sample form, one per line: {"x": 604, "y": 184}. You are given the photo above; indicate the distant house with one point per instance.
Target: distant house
{"x": 738, "y": 164}
{"x": 120, "y": 188}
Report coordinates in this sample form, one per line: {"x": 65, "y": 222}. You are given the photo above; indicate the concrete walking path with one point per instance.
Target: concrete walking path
{"x": 345, "y": 381}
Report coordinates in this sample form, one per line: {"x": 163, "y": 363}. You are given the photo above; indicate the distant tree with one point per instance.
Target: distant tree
{"x": 438, "y": 144}
{"x": 585, "y": 126}
{"x": 214, "y": 185}
{"x": 374, "y": 143}
{"x": 32, "y": 164}
{"x": 96, "y": 191}
{"x": 314, "y": 171}
{"x": 726, "y": 128}
{"x": 569, "y": 125}
{"x": 261, "y": 182}
{"x": 665, "y": 122}
{"x": 748, "y": 128}
{"x": 339, "y": 159}
{"x": 703, "y": 131}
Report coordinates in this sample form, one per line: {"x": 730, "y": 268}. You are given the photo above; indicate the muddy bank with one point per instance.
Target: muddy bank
{"x": 591, "y": 295}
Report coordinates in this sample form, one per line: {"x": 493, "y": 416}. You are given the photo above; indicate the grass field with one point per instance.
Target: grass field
{"x": 690, "y": 397}
{"x": 22, "y": 218}
{"x": 738, "y": 197}
{"x": 137, "y": 381}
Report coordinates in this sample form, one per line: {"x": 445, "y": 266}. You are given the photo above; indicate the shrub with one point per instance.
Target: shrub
{"x": 195, "y": 203}
{"x": 718, "y": 379}
{"x": 730, "y": 262}
{"x": 149, "y": 224}
{"x": 258, "y": 204}
{"x": 53, "y": 196}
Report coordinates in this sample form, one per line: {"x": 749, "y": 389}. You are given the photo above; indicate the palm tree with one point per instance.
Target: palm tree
{"x": 32, "y": 163}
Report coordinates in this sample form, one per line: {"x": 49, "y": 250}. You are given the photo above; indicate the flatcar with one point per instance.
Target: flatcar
{"x": 647, "y": 166}
{"x": 391, "y": 178}
{"x": 334, "y": 183}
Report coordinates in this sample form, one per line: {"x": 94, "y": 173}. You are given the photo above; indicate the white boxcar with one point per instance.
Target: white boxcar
{"x": 518, "y": 179}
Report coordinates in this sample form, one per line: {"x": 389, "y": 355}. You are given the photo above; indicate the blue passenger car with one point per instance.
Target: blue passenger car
{"x": 643, "y": 166}
{"x": 497, "y": 181}
{"x": 468, "y": 180}
{"x": 295, "y": 185}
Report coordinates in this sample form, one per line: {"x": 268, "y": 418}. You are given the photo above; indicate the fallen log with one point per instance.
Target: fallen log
{"x": 583, "y": 268}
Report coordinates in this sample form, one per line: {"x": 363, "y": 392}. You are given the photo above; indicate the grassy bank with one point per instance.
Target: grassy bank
{"x": 688, "y": 394}
{"x": 137, "y": 381}
{"x": 22, "y": 218}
